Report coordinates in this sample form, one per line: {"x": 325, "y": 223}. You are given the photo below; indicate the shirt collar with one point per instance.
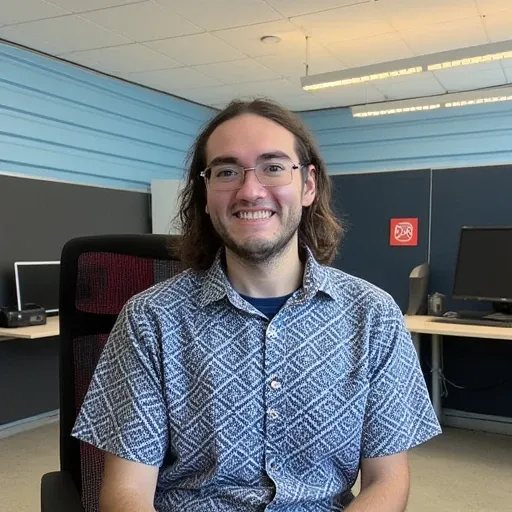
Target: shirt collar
{"x": 216, "y": 285}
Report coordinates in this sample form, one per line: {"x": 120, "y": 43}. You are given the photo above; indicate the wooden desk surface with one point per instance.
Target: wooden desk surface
{"x": 425, "y": 325}
{"x": 51, "y": 328}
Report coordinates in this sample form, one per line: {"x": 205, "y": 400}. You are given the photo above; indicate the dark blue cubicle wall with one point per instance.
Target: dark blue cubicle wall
{"x": 466, "y": 196}
{"x": 366, "y": 203}
{"x": 479, "y": 196}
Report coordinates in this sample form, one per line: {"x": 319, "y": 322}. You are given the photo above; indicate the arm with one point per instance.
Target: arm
{"x": 127, "y": 486}
{"x": 384, "y": 485}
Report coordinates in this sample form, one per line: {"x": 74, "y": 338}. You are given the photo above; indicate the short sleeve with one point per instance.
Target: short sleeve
{"x": 399, "y": 414}
{"x": 124, "y": 409}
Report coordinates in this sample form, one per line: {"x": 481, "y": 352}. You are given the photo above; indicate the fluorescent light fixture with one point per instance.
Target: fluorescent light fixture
{"x": 460, "y": 99}
{"x": 361, "y": 75}
{"x": 403, "y": 67}
{"x": 469, "y": 56}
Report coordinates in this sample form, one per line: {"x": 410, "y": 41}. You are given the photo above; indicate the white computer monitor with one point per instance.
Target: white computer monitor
{"x": 37, "y": 282}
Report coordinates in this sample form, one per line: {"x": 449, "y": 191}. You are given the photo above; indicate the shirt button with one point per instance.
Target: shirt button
{"x": 273, "y": 414}
{"x": 275, "y": 384}
{"x": 273, "y": 467}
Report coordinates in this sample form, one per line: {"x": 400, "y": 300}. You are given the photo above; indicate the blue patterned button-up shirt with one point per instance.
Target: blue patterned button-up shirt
{"x": 243, "y": 414}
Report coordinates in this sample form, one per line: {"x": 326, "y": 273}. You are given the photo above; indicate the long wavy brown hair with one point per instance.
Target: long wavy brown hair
{"x": 319, "y": 229}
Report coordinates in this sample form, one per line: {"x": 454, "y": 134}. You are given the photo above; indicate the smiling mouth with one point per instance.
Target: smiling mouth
{"x": 257, "y": 215}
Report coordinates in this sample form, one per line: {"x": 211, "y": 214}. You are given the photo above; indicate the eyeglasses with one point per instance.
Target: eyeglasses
{"x": 274, "y": 173}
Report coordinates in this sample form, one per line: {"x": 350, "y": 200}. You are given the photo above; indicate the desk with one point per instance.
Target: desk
{"x": 424, "y": 325}
{"x": 51, "y": 328}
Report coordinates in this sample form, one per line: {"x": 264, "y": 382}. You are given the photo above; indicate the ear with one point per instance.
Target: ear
{"x": 206, "y": 210}
{"x": 309, "y": 188}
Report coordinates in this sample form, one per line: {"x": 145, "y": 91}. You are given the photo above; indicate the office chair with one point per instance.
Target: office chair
{"x": 98, "y": 276}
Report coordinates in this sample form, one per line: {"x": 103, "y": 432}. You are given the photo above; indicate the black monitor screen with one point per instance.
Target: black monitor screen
{"x": 38, "y": 283}
{"x": 484, "y": 266}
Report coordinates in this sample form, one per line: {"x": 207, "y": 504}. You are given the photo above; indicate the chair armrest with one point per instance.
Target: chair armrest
{"x": 59, "y": 493}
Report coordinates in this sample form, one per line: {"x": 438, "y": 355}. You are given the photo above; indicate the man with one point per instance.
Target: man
{"x": 259, "y": 379}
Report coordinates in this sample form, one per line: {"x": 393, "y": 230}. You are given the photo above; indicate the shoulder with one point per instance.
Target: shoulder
{"x": 356, "y": 293}
{"x": 180, "y": 290}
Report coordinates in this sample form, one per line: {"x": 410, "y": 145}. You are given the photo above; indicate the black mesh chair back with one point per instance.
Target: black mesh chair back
{"x": 98, "y": 276}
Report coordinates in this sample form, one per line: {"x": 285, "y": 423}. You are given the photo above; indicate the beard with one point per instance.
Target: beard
{"x": 257, "y": 250}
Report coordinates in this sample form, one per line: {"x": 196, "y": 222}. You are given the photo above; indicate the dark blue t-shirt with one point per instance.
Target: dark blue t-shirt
{"x": 269, "y": 307}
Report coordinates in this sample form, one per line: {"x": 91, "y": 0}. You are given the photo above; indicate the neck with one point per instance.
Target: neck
{"x": 281, "y": 276}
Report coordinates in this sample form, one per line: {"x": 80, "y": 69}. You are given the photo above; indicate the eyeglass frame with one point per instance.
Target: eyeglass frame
{"x": 202, "y": 174}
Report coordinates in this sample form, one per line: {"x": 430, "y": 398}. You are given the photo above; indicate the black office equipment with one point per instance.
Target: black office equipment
{"x": 31, "y": 315}
{"x": 484, "y": 271}
{"x": 37, "y": 282}
{"x": 418, "y": 290}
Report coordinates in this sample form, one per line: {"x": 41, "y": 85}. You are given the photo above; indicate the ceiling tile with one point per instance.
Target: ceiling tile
{"x": 353, "y": 22}
{"x": 220, "y": 14}
{"x": 238, "y": 71}
{"x": 445, "y": 36}
{"x": 493, "y": 6}
{"x": 129, "y": 58}
{"x": 171, "y": 79}
{"x": 403, "y": 14}
{"x": 14, "y": 34}
{"x": 292, "y": 66}
{"x": 196, "y": 49}
{"x": 89, "y": 5}
{"x": 207, "y": 95}
{"x": 289, "y": 8}
{"x": 371, "y": 50}
{"x": 499, "y": 26}
{"x": 413, "y": 86}
{"x": 307, "y": 102}
{"x": 28, "y": 10}
{"x": 158, "y": 22}
{"x": 65, "y": 34}
{"x": 269, "y": 88}
{"x": 472, "y": 77}
{"x": 247, "y": 39}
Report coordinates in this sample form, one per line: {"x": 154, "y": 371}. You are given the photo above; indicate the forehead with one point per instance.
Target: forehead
{"x": 247, "y": 136}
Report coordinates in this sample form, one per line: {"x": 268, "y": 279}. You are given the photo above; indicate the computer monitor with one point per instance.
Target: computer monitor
{"x": 37, "y": 282}
{"x": 484, "y": 266}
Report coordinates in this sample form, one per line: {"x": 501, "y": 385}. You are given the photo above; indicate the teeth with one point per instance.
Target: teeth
{"x": 262, "y": 214}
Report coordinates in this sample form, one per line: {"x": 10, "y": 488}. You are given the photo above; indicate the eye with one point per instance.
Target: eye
{"x": 224, "y": 172}
{"x": 273, "y": 168}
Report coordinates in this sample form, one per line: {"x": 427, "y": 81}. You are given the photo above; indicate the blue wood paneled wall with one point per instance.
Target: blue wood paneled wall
{"x": 58, "y": 121}
{"x": 458, "y": 137}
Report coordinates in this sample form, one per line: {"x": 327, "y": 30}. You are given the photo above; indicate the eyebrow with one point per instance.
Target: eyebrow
{"x": 227, "y": 159}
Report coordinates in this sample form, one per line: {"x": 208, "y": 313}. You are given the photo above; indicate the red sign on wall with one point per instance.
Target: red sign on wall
{"x": 404, "y": 232}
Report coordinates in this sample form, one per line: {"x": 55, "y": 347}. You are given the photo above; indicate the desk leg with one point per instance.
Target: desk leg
{"x": 436, "y": 375}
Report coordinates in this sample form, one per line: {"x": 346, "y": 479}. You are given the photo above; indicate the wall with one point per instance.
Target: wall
{"x": 58, "y": 121}
{"x": 459, "y": 137}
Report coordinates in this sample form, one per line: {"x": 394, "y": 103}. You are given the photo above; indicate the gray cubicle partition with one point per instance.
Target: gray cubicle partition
{"x": 37, "y": 218}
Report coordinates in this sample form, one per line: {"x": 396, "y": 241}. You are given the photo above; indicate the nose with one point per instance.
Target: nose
{"x": 251, "y": 188}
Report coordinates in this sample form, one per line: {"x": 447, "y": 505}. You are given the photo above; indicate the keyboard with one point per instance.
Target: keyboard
{"x": 472, "y": 321}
